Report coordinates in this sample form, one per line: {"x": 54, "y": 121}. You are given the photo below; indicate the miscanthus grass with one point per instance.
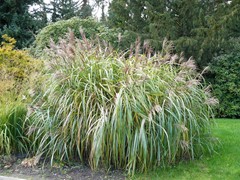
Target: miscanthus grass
{"x": 132, "y": 111}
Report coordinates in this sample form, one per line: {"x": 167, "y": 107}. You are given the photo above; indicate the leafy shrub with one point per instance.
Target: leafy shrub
{"x": 133, "y": 112}
{"x": 226, "y": 83}
{"x": 58, "y": 30}
{"x": 93, "y": 29}
{"x": 16, "y": 66}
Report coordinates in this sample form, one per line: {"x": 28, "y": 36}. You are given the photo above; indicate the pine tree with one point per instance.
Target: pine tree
{"x": 198, "y": 28}
{"x": 128, "y": 15}
{"x": 63, "y": 9}
{"x": 85, "y": 10}
{"x": 66, "y": 9}
{"x": 17, "y": 22}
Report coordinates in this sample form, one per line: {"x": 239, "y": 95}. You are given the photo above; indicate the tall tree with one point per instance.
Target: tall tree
{"x": 85, "y": 10}
{"x": 128, "y": 15}
{"x": 18, "y": 22}
{"x": 66, "y": 9}
{"x": 198, "y": 28}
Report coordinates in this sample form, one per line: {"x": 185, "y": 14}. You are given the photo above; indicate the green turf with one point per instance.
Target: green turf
{"x": 224, "y": 165}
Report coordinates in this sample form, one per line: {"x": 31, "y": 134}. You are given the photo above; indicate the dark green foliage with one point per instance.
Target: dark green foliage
{"x": 116, "y": 37}
{"x": 128, "y": 15}
{"x": 17, "y": 22}
{"x": 226, "y": 82}
{"x": 63, "y": 9}
{"x": 66, "y": 9}
{"x": 198, "y": 28}
{"x": 85, "y": 10}
{"x": 58, "y": 30}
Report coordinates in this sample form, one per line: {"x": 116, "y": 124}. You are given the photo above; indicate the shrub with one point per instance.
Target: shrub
{"x": 133, "y": 112}
{"x": 93, "y": 29}
{"x": 58, "y": 30}
{"x": 16, "y": 67}
{"x": 226, "y": 83}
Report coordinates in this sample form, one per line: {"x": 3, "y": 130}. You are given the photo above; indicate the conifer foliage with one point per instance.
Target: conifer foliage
{"x": 198, "y": 28}
{"x": 17, "y": 22}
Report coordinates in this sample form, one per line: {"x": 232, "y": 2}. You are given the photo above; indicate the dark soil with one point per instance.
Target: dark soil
{"x": 12, "y": 167}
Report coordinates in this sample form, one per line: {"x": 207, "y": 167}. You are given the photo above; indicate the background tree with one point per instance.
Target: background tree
{"x": 18, "y": 22}
{"x": 85, "y": 10}
{"x": 63, "y": 9}
{"x": 39, "y": 14}
{"x": 198, "y": 28}
{"x": 128, "y": 15}
{"x": 66, "y": 9}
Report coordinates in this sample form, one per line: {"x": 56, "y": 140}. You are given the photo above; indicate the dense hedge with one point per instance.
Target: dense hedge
{"x": 58, "y": 30}
{"x": 92, "y": 29}
{"x": 226, "y": 83}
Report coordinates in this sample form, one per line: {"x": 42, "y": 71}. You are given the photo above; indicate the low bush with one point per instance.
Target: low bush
{"x": 133, "y": 112}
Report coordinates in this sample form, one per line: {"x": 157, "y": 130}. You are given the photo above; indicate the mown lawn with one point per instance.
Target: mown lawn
{"x": 224, "y": 165}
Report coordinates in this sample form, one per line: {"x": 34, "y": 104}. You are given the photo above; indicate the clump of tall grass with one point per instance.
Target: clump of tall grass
{"x": 12, "y": 134}
{"x": 132, "y": 111}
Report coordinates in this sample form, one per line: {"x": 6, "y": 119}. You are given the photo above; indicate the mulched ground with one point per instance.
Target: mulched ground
{"x": 12, "y": 167}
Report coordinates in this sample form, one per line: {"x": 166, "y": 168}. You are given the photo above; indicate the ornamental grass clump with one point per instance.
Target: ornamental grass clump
{"x": 130, "y": 111}
{"x": 13, "y": 139}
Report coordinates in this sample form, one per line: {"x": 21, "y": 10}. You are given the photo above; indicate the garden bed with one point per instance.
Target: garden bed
{"x": 12, "y": 167}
